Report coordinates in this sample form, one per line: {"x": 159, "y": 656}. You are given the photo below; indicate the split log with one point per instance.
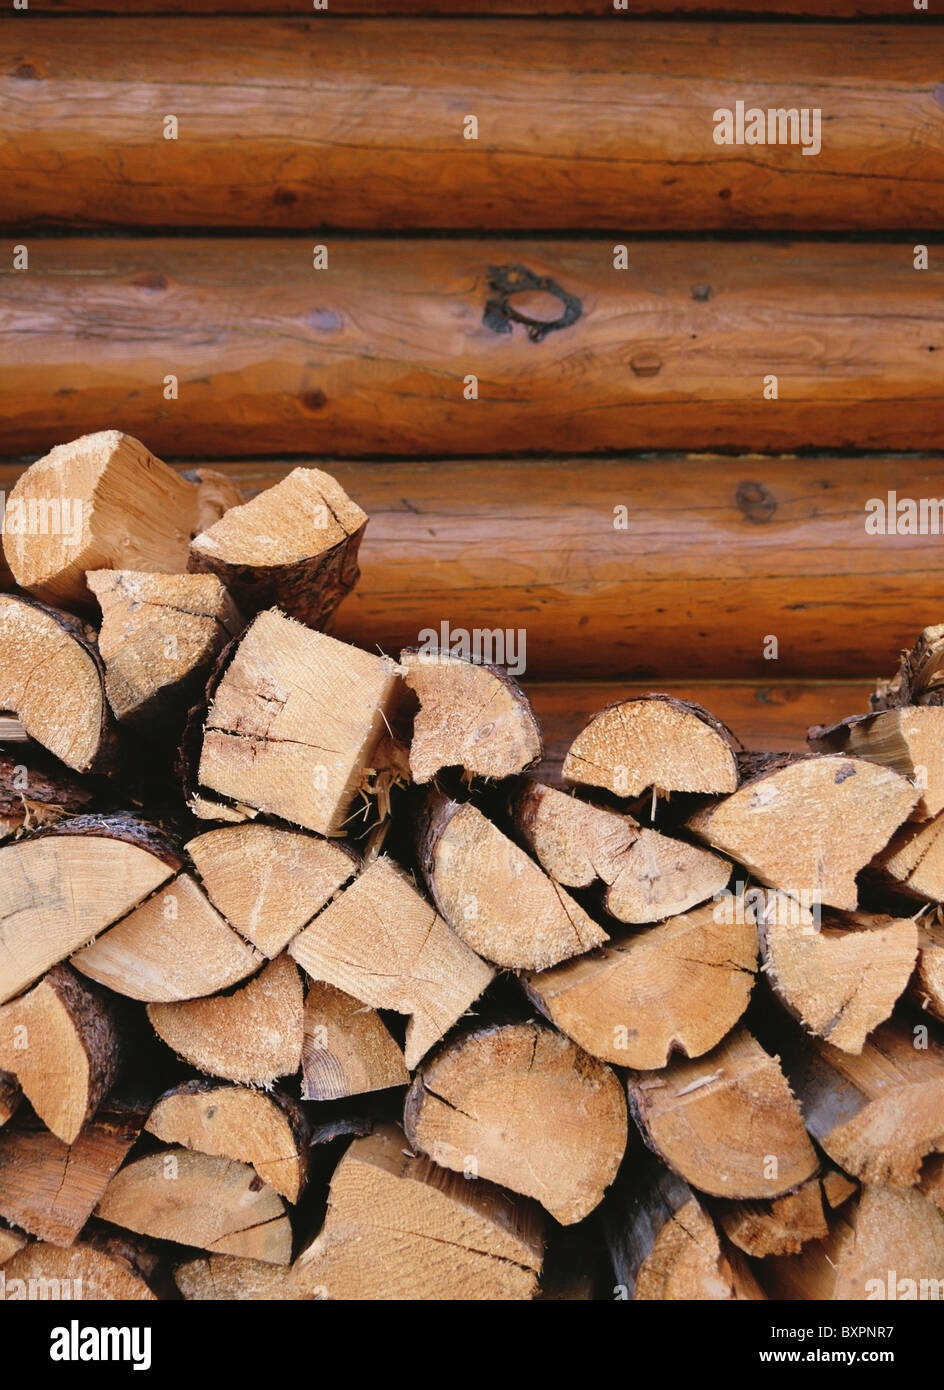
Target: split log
{"x": 913, "y": 861}
{"x": 62, "y": 1042}
{"x": 36, "y": 789}
{"x": 66, "y": 710}
{"x": 10, "y": 1096}
{"x": 294, "y": 722}
{"x": 840, "y": 979}
{"x": 648, "y": 876}
{"x": 727, "y": 1123}
{"x": 196, "y": 1199}
{"x": 160, "y": 636}
{"x": 65, "y": 884}
{"x": 293, "y": 547}
{"x": 919, "y": 679}
{"x": 838, "y": 1187}
{"x": 382, "y": 942}
{"x": 252, "y": 1036}
{"x": 126, "y": 510}
{"x": 80, "y": 1273}
{"x": 778, "y": 1227}
{"x": 909, "y": 740}
{"x": 266, "y": 1130}
{"x": 49, "y": 1188}
{"x": 927, "y": 986}
{"x": 807, "y": 828}
{"x": 398, "y": 1227}
{"x": 10, "y": 1242}
{"x": 347, "y": 1050}
{"x": 233, "y": 1278}
{"x": 471, "y": 715}
{"x": 269, "y": 882}
{"x": 654, "y": 741}
{"x": 879, "y": 1113}
{"x": 174, "y": 946}
{"x": 523, "y": 1107}
{"x": 493, "y": 894}
{"x": 677, "y": 988}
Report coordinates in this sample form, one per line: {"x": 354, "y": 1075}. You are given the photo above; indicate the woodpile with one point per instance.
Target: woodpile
{"x": 345, "y": 1000}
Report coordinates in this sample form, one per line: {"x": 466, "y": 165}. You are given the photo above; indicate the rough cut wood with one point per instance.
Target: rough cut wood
{"x": 294, "y": 722}
{"x": 66, "y": 709}
{"x": 838, "y": 1187}
{"x": 269, "y": 882}
{"x": 493, "y": 894}
{"x": 913, "y": 861}
{"x": 36, "y": 789}
{"x": 233, "y": 1278}
{"x": 928, "y": 983}
{"x": 842, "y": 978}
{"x": 727, "y": 1123}
{"x": 472, "y": 715}
{"x": 778, "y": 1227}
{"x": 522, "y": 1106}
{"x": 10, "y": 1242}
{"x": 159, "y": 637}
{"x": 197, "y": 1199}
{"x": 127, "y": 510}
{"x": 49, "y": 1188}
{"x": 879, "y": 1113}
{"x": 382, "y": 942}
{"x": 174, "y": 946}
{"x": 909, "y": 740}
{"x": 655, "y": 741}
{"x": 80, "y": 1273}
{"x": 65, "y": 884}
{"x": 677, "y": 988}
{"x": 807, "y": 828}
{"x": 253, "y": 1035}
{"x": 293, "y": 547}
{"x": 819, "y": 9}
{"x": 347, "y": 1050}
{"x": 919, "y": 679}
{"x": 10, "y": 1096}
{"x": 266, "y": 1130}
{"x": 398, "y": 1227}
{"x": 648, "y": 876}
{"x": 888, "y": 1245}
{"x": 63, "y": 1043}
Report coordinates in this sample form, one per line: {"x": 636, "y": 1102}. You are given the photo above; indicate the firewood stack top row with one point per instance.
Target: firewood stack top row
{"x": 309, "y": 990}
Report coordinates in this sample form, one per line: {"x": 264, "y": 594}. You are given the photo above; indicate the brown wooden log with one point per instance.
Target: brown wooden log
{"x": 368, "y": 155}
{"x": 908, "y": 740}
{"x": 524, "y": 1107}
{"x": 778, "y": 1227}
{"x": 920, "y": 675}
{"x": 838, "y": 1187}
{"x": 819, "y": 9}
{"x": 253, "y": 1035}
{"x": 196, "y": 1199}
{"x": 80, "y": 1273}
{"x": 677, "y": 988}
{"x": 65, "y": 884}
{"x": 398, "y": 1227}
{"x": 912, "y": 862}
{"x": 266, "y": 1130}
{"x": 10, "y": 1242}
{"x": 234, "y": 1278}
{"x": 272, "y": 356}
{"x": 347, "y": 1049}
{"x": 927, "y": 987}
{"x": 36, "y": 789}
{"x": 382, "y": 942}
{"x": 727, "y": 1122}
{"x": 809, "y": 827}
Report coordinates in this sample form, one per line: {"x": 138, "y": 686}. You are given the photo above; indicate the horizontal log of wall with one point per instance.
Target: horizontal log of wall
{"x": 363, "y": 125}
{"x": 718, "y": 556}
{"x": 382, "y": 352}
{"x": 820, "y": 9}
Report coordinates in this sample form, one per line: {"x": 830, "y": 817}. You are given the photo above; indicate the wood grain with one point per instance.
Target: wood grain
{"x": 372, "y": 355}
{"x": 821, "y": 9}
{"x": 301, "y": 123}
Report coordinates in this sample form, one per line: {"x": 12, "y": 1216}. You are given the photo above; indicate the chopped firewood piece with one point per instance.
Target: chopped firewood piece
{"x": 253, "y": 1035}
{"x": 216, "y": 493}
{"x": 347, "y": 1049}
{"x": 65, "y": 709}
{"x": 778, "y": 1227}
{"x": 174, "y": 946}
{"x": 471, "y": 716}
{"x": 232, "y": 1278}
{"x": 920, "y": 676}
{"x": 49, "y": 1188}
{"x": 10, "y": 1096}
{"x": 523, "y": 1107}
{"x": 913, "y": 861}
{"x": 838, "y": 1187}
{"x": 653, "y": 741}
{"x": 64, "y": 885}
{"x": 270, "y": 882}
{"x": 727, "y": 1123}
{"x": 887, "y": 1244}
{"x": 382, "y": 942}
{"x": 294, "y": 722}
{"x": 62, "y": 1042}
{"x": 878, "y": 1113}
{"x": 928, "y": 984}
{"x": 80, "y": 1273}
{"x": 160, "y": 635}
{"x": 398, "y": 1227}
{"x": 493, "y": 894}
{"x": 909, "y": 740}
{"x": 197, "y": 1199}
{"x": 10, "y": 1242}
{"x": 118, "y": 507}
{"x": 677, "y": 988}
{"x": 263, "y": 1129}
{"x": 293, "y": 546}
{"x": 36, "y": 789}
{"x": 808, "y": 828}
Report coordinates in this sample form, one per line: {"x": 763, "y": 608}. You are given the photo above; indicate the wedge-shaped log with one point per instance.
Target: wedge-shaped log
{"x": 928, "y": 983}
{"x": 910, "y": 740}
{"x": 919, "y": 679}
{"x": 236, "y": 1279}
{"x": 781, "y": 1226}
{"x": 913, "y": 861}
{"x": 347, "y": 1048}
{"x": 10, "y": 1242}
{"x": 381, "y": 941}
{"x": 83, "y": 1272}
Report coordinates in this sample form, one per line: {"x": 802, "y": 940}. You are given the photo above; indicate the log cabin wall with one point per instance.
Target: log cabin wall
{"x": 592, "y": 373}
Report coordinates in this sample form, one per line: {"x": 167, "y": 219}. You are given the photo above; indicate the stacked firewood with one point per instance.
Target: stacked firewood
{"x": 315, "y": 982}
